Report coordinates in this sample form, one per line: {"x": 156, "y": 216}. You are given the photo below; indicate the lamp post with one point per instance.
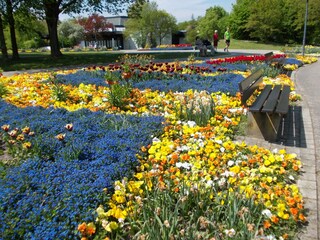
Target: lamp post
{"x": 305, "y": 29}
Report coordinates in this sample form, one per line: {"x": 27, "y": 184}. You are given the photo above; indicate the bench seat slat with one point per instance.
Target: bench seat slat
{"x": 272, "y": 100}
{"x": 283, "y": 105}
{"x": 258, "y": 104}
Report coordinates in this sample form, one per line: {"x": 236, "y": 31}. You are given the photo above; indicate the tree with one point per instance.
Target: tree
{"x": 70, "y": 32}
{"x": 94, "y": 25}
{"x": 30, "y": 32}
{"x": 239, "y": 18}
{"x": 163, "y": 24}
{"x": 152, "y": 27}
{"x": 4, "y": 50}
{"x": 51, "y": 9}
{"x": 7, "y": 9}
{"x": 214, "y": 19}
{"x": 191, "y": 29}
{"x": 134, "y": 10}
{"x": 265, "y": 22}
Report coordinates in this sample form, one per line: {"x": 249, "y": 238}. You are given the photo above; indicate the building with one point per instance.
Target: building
{"x": 114, "y": 38}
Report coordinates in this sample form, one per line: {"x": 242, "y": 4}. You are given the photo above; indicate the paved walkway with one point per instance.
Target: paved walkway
{"x": 307, "y": 81}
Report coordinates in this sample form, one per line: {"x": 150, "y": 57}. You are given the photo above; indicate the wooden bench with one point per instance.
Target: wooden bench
{"x": 268, "y": 109}
{"x": 276, "y": 62}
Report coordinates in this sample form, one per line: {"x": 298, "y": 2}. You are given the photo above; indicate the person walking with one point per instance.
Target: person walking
{"x": 215, "y": 40}
{"x": 227, "y": 39}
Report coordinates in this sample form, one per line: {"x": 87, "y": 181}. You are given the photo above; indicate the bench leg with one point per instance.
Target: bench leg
{"x": 264, "y": 126}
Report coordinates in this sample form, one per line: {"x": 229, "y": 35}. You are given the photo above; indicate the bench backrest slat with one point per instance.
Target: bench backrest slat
{"x": 249, "y": 85}
{"x": 268, "y": 56}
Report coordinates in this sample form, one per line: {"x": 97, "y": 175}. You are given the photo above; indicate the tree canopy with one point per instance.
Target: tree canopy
{"x": 152, "y": 27}
{"x": 51, "y": 9}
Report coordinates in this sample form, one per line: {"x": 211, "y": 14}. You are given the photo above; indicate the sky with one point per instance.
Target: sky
{"x": 183, "y": 10}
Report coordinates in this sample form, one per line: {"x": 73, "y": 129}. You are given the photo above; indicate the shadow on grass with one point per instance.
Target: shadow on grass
{"x": 29, "y": 61}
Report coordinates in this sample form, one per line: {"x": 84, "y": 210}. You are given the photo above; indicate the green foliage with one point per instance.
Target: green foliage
{"x": 17, "y": 143}
{"x": 215, "y": 19}
{"x": 134, "y": 10}
{"x": 3, "y": 90}
{"x": 199, "y": 213}
{"x": 152, "y": 27}
{"x": 239, "y": 18}
{"x": 58, "y": 91}
{"x": 141, "y": 59}
{"x": 119, "y": 95}
{"x": 70, "y": 33}
{"x": 271, "y": 71}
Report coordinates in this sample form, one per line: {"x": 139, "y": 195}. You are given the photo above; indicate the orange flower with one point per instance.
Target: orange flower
{"x": 291, "y": 202}
{"x": 285, "y": 236}
{"x": 91, "y": 230}
{"x": 185, "y": 157}
{"x": 266, "y": 224}
{"x": 274, "y": 219}
{"x": 294, "y": 211}
{"x": 302, "y": 217}
{"x": 176, "y": 189}
{"x": 82, "y": 227}
{"x": 295, "y": 167}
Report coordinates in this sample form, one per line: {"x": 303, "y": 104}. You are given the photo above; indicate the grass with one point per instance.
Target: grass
{"x": 241, "y": 44}
{"x": 42, "y": 60}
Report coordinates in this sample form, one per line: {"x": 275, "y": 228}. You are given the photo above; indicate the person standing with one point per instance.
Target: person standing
{"x": 215, "y": 40}
{"x": 227, "y": 39}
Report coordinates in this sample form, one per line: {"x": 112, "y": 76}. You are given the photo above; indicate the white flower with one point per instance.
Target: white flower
{"x": 218, "y": 141}
{"x": 227, "y": 119}
{"x": 234, "y": 110}
{"x": 184, "y": 165}
{"x": 222, "y": 149}
{"x": 221, "y": 182}
{"x": 230, "y": 232}
{"x": 291, "y": 177}
{"x": 209, "y": 183}
{"x": 267, "y": 213}
{"x": 230, "y": 163}
{"x": 155, "y": 139}
{"x": 191, "y": 123}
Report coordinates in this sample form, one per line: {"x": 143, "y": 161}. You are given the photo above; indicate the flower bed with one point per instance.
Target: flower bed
{"x": 153, "y": 168}
{"x": 170, "y": 47}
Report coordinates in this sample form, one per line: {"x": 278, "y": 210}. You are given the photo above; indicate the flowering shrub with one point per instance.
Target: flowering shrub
{"x": 175, "y": 45}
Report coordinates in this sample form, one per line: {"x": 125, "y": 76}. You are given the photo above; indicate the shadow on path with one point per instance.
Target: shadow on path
{"x": 292, "y": 132}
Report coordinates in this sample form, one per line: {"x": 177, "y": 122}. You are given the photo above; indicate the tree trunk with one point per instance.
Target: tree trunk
{"x": 52, "y": 16}
{"x": 3, "y": 45}
{"x": 15, "y": 53}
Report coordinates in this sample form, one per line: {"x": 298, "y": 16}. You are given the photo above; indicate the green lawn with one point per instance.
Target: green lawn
{"x": 37, "y": 60}
{"x": 241, "y": 44}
